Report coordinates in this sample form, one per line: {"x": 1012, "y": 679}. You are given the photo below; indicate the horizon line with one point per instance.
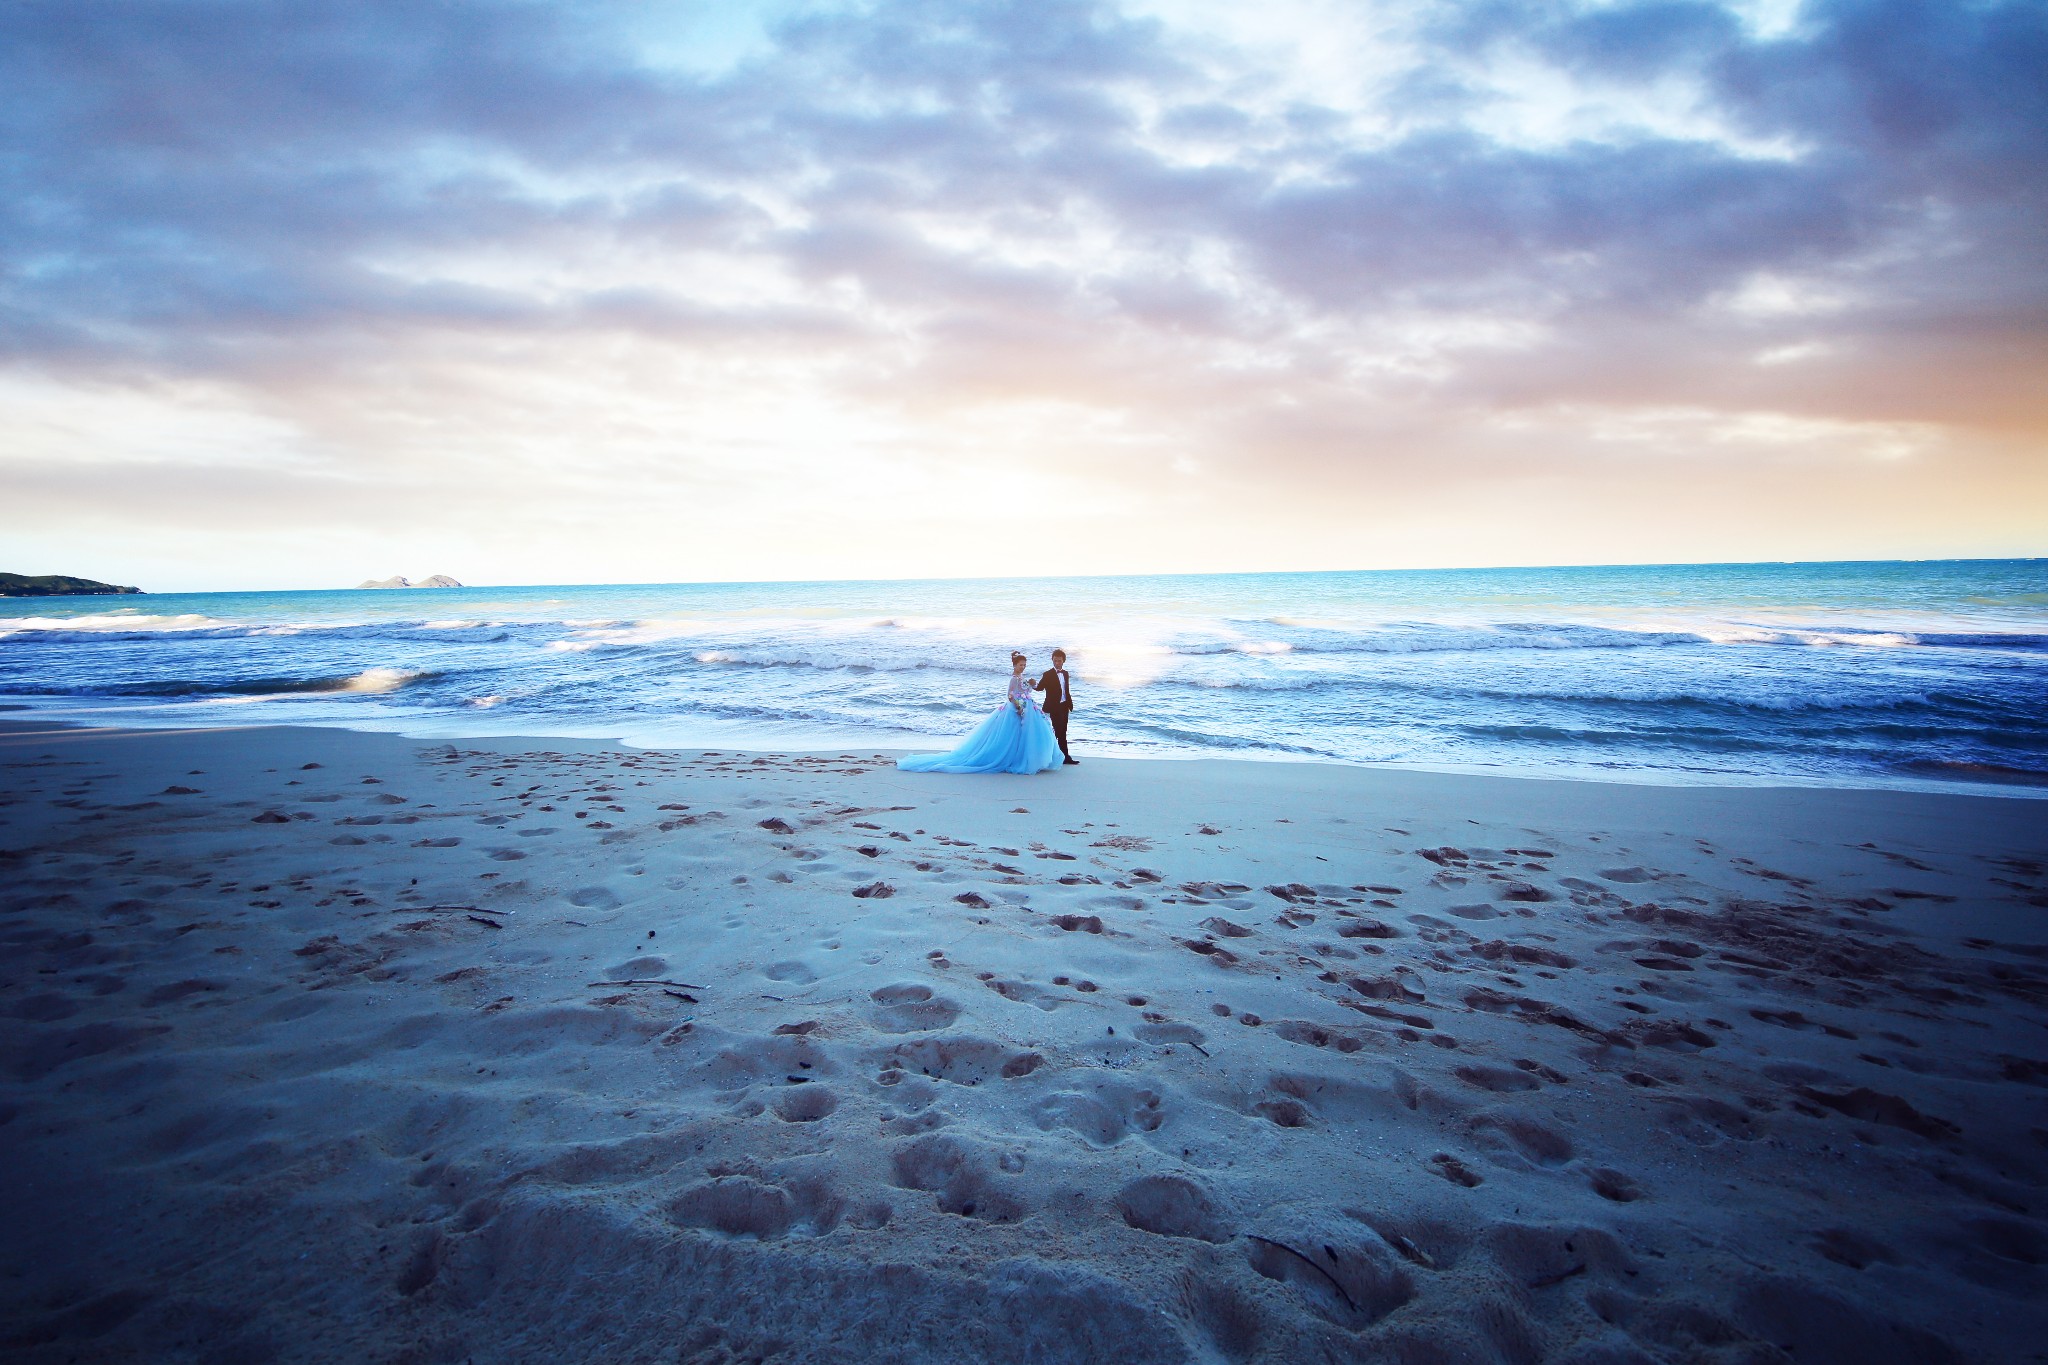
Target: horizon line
{"x": 1083, "y": 577}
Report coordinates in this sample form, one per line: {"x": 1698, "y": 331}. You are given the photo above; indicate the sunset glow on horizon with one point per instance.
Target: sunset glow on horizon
{"x": 296, "y": 295}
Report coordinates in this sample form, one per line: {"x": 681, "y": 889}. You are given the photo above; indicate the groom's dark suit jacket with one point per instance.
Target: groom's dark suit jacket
{"x": 1049, "y": 683}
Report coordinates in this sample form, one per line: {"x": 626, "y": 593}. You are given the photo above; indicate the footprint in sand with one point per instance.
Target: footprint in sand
{"x": 1366, "y": 928}
{"x": 1455, "y": 1171}
{"x": 1284, "y": 1112}
{"x": 1169, "y": 1032}
{"x": 804, "y": 1104}
{"x": 1706, "y": 1121}
{"x": 957, "y": 1060}
{"x": 959, "y": 1176}
{"x": 1519, "y": 1142}
{"x": 1338, "y": 1269}
{"x": 1113, "y": 1112}
{"x": 1475, "y": 911}
{"x": 1224, "y": 928}
{"x": 1540, "y": 1256}
{"x": 1315, "y": 1035}
{"x": 1217, "y": 955}
{"x": 773, "y": 1059}
{"x": 1024, "y": 993}
{"x": 911, "y": 1008}
{"x": 1172, "y": 1206}
{"x": 739, "y": 1206}
{"x": 1401, "y": 986}
{"x": 1498, "y": 1079}
{"x": 1612, "y": 1184}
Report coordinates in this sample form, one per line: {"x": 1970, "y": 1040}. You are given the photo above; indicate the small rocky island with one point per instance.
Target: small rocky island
{"x": 439, "y": 580}
{"x": 55, "y": 585}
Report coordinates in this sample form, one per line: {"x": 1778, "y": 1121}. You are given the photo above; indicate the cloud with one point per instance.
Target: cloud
{"x": 1146, "y": 254}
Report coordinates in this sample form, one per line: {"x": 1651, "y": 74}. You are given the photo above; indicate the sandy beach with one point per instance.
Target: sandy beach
{"x": 323, "y": 1045}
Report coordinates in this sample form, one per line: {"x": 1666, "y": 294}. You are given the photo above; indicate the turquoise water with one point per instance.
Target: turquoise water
{"x": 1866, "y": 673}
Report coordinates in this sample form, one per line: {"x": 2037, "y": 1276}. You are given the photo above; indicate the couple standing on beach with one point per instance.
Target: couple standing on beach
{"x": 1019, "y": 736}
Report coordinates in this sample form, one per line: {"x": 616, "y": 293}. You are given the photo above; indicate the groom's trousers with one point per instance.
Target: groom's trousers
{"x": 1058, "y": 716}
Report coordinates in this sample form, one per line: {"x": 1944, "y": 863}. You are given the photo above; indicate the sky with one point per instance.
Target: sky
{"x": 297, "y": 294}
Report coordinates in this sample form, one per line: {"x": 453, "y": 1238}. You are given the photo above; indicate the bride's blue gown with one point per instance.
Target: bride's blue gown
{"x": 1009, "y": 741}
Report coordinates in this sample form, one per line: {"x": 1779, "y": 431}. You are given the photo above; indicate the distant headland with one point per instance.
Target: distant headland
{"x": 439, "y": 580}
{"x": 54, "y": 585}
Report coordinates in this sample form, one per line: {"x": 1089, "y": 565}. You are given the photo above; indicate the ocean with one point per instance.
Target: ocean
{"x": 1864, "y": 674}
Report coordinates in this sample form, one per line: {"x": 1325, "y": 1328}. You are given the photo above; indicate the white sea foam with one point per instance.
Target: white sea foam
{"x": 1738, "y": 635}
{"x": 378, "y": 680}
{"x": 109, "y": 621}
{"x": 1863, "y": 639}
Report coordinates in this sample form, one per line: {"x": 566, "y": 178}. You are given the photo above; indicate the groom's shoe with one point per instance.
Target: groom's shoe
{"x": 1071, "y": 760}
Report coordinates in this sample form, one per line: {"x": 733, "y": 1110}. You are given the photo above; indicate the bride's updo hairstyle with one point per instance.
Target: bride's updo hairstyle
{"x": 1016, "y": 656}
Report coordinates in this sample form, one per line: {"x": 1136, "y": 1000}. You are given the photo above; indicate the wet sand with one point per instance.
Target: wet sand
{"x": 333, "y": 1046}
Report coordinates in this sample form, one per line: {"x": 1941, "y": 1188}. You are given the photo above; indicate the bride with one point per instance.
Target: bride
{"x": 1016, "y": 738}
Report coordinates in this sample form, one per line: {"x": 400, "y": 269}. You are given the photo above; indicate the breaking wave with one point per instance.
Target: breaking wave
{"x": 370, "y": 681}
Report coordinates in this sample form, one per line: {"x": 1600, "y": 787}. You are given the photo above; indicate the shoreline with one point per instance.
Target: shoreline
{"x": 2021, "y": 786}
{"x": 1904, "y": 675}
{"x": 324, "y": 1044}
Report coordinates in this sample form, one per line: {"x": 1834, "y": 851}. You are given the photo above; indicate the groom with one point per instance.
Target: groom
{"x": 1059, "y": 699}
